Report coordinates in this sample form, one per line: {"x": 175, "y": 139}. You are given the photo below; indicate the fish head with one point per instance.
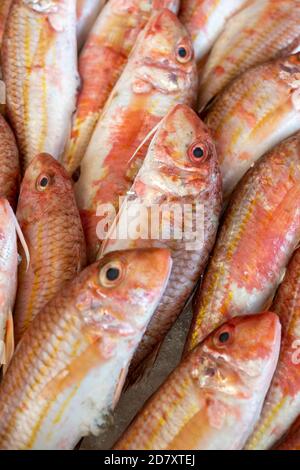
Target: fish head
{"x": 165, "y": 57}
{"x": 45, "y": 186}
{"x": 182, "y": 155}
{"x": 241, "y": 352}
{"x": 124, "y": 290}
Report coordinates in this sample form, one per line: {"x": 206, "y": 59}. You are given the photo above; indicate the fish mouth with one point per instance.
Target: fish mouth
{"x": 164, "y": 78}
{"x": 164, "y": 65}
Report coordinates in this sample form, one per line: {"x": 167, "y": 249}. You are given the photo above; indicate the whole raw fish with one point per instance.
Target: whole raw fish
{"x": 214, "y": 397}
{"x": 51, "y": 225}
{"x": 69, "y": 368}
{"x": 87, "y": 12}
{"x": 282, "y": 405}
{"x": 160, "y": 73}
{"x": 261, "y": 229}
{"x": 40, "y": 73}
{"x": 256, "y": 112}
{"x": 261, "y": 31}
{"x": 8, "y": 279}
{"x": 179, "y": 172}
{"x": 205, "y": 20}
{"x": 101, "y": 63}
{"x": 9, "y": 164}
{"x": 4, "y": 11}
{"x": 292, "y": 439}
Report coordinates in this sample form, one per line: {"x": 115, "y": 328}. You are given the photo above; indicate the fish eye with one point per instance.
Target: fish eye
{"x": 111, "y": 274}
{"x": 224, "y": 337}
{"x": 43, "y": 182}
{"x": 183, "y": 53}
{"x": 198, "y": 153}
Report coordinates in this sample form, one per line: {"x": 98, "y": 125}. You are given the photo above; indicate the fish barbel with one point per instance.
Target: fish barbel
{"x": 8, "y": 279}
{"x": 260, "y": 231}
{"x": 101, "y": 63}
{"x": 86, "y": 12}
{"x": 51, "y": 225}
{"x": 282, "y": 405}
{"x": 292, "y": 439}
{"x": 160, "y": 73}
{"x": 39, "y": 61}
{"x": 214, "y": 397}
{"x": 257, "y": 111}
{"x": 69, "y": 368}
{"x": 179, "y": 171}
{"x": 9, "y": 164}
{"x": 263, "y": 30}
{"x": 205, "y": 20}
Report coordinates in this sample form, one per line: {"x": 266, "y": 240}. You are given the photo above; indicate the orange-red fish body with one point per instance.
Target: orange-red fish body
{"x": 263, "y": 30}
{"x": 68, "y": 370}
{"x": 292, "y": 439}
{"x": 205, "y": 20}
{"x": 160, "y": 73}
{"x": 4, "y": 11}
{"x": 172, "y": 180}
{"x": 39, "y": 63}
{"x": 9, "y": 164}
{"x": 101, "y": 63}
{"x": 260, "y": 231}
{"x": 256, "y": 112}
{"x": 51, "y": 225}
{"x": 213, "y": 398}
{"x": 282, "y": 405}
{"x": 8, "y": 278}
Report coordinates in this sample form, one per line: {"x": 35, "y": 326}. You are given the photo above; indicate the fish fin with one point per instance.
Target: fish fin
{"x": 119, "y": 387}
{"x": 142, "y": 369}
{"x": 145, "y": 140}
{"x": 9, "y": 342}
{"x": 22, "y": 241}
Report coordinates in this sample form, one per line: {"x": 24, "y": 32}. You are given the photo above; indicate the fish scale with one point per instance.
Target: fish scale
{"x": 205, "y": 20}
{"x": 9, "y": 164}
{"x": 292, "y": 439}
{"x": 4, "y": 10}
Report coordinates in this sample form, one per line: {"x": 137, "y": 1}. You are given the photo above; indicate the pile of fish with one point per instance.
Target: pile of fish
{"x": 164, "y": 106}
